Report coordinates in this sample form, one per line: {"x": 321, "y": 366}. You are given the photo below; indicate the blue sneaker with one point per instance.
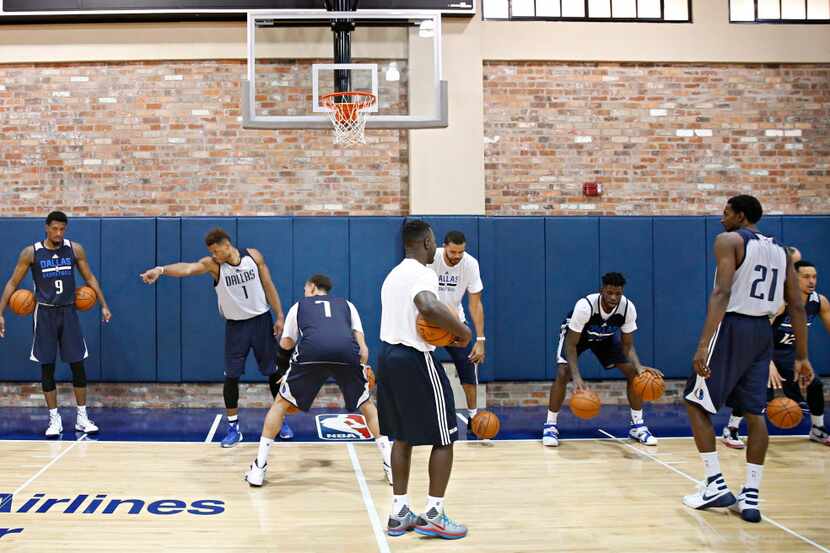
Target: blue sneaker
{"x": 233, "y": 437}
{"x": 400, "y": 524}
{"x": 747, "y": 505}
{"x": 550, "y": 435}
{"x": 439, "y": 526}
{"x": 285, "y": 432}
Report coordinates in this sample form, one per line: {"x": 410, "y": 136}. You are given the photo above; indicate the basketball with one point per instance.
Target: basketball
{"x": 784, "y": 413}
{"x": 432, "y": 334}
{"x": 485, "y": 425}
{"x": 85, "y": 298}
{"x": 22, "y": 302}
{"x": 585, "y": 405}
{"x": 649, "y": 386}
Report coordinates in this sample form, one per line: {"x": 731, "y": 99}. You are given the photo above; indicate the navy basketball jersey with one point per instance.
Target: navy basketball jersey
{"x": 325, "y": 325}
{"x": 784, "y": 336}
{"x": 53, "y": 272}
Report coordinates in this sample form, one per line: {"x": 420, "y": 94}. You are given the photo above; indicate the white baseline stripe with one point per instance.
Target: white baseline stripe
{"x": 380, "y": 536}
{"x": 42, "y": 470}
{"x": 212, "y": 432}
{"x": 684, "y": 475}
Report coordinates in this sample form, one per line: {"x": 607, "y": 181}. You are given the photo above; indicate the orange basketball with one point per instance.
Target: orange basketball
{"x": 22, "y": 302}
{"x": 370, "y": 376}
{"x": 585, "y": 405}
{"x": 649, "y": 386}
{"x": 784, "y": 413}
{"x": 485, "y": 424}
{"x": 432, "y": 334}
{"x": 85, "y": 298}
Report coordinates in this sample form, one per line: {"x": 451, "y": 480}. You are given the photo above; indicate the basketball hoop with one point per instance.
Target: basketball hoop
{"x": 348, "y": 112}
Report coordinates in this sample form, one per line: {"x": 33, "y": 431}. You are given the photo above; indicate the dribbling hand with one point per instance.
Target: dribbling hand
{"x": 699, "y": 363}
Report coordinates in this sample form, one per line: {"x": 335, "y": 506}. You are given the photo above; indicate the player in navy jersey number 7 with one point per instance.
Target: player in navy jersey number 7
{"x": 56, "y": 326}
{"x": 754, "y": 276}
{"x": 245, "y": 294}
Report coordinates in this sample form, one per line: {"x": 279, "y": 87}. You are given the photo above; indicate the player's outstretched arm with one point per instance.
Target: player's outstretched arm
{"x": 270, "y": 290}
{"x": 726, "y": 248}
{"x": 24, "y": 261}
{"x": 571, "y": 348}
{"x": 204, "y": 265}
{"x": 433, "y": 310}
{"x": 91, "y": 281}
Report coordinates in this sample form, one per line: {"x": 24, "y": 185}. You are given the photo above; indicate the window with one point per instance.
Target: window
{"x": 652, "y": 11}
{"x": 779, "y": 11}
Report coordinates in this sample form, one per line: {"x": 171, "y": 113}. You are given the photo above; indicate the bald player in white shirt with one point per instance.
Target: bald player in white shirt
{"x": 458, "y": 274}
{"x": 415, "y": 400}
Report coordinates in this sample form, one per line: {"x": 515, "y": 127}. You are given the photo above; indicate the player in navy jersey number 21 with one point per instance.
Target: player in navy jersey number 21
{"x": 56, "y": 326}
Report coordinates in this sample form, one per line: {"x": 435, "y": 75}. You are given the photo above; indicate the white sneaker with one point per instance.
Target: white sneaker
{"x": 388, "y": 471}
{"x": 730, "y": 438}
{"x": 256, "y": 476}
{"x": 550, "y": 435}
{"x": 748, "y": 505}
{"x": 83, "y": 424}
{"x": 641, "y": 433}
{"x": 819, "y": 435}
{"x": 714, "y": 494}
{"x": 55, "y": 427}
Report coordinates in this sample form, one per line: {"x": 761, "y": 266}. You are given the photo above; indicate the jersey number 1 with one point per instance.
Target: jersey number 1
{"x": 754, "y": 293}
{"x": 326, "y": 308}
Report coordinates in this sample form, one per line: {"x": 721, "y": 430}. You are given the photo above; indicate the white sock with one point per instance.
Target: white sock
{"x": 436, "y": 503}
{"x": 385, "y": 449}
{"x": 818, "y": 420}
{"x": 753, "y": 475}
{"x": 399, "y": 503}
{"x": 262, "y": 453}
{"x": 233, "y": 419}
{"x": 552, "y": 417}
{"x": 82, "y": 411}
{"x": 734, "y": 422}
{"x": 53, "y": 413}
{"x": 637, "y": 416}
{"x": 711, "y": 464}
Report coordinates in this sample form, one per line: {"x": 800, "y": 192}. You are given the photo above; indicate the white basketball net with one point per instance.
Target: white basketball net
{"x": 348, "y": 117}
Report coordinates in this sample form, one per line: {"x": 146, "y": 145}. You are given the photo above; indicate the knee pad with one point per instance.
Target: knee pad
{"x": 283, "y": 358}
{"x": 47, "y": 377}
{"x": 274, "y": 384}
{"x": 78, "y": 375}
{"x": 230, "y": 391}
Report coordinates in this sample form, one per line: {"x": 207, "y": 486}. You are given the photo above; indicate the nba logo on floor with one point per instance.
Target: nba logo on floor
{"x": 343, "y": 427}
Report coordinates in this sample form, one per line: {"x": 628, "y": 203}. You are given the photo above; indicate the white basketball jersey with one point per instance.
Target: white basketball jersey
{"x": 758, "y": 284}
{"x": 239, "y": 290}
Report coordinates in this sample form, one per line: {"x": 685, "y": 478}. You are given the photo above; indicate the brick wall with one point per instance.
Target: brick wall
{"x": 663, "y": 139}
{"x": 165, "y": 138}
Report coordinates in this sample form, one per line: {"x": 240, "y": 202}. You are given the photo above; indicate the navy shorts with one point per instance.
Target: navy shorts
{"x": 608, "y": 352}
{"x": 415, "y": 399}
{"x": 256, "y": 333}
{"x": 467, "y": 370}
{"x": 739, "y": 357}
{"x": 57, "y": 327}
{"x": 303, "y": 382}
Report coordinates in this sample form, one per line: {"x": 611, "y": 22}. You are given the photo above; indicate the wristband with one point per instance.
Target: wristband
{"x": 480, "y": 339}
{"x": 161, "y": 268}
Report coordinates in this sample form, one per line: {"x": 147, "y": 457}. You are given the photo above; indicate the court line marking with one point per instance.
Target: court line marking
{"x": 212, "y": 432}
{"x": 380, "y": 535}
{"x": 696, "y": 481}
{"x": 42, "y": 470}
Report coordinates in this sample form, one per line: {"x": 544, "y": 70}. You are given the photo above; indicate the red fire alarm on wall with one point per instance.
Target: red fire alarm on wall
{"x": 592, "y": 188}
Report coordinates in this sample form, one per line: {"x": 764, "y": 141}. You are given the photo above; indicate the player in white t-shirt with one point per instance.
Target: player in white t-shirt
{"x": 415, "y": 400}
{"x": 245, "y": 296}
{"x": 459, "y": 274}
{"x": 605, "y": 324}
